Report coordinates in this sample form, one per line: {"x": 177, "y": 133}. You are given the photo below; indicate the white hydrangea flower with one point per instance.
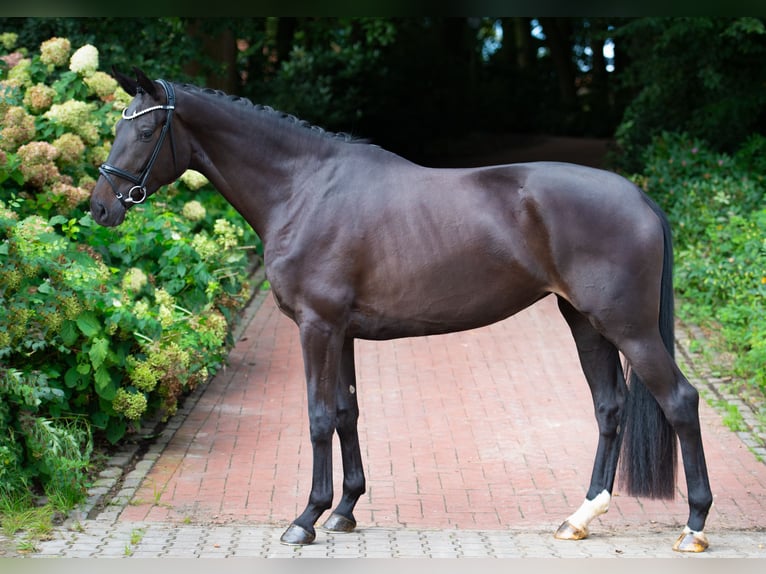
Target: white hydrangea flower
{"x": 55, "y": 52}
{"x": 193, "y": 210}
{"x": 193, "y": 179}
{"x": 101, "y": 84}
{"x": 75, "y": 116}
{"x": 206, "y": 247}
{"x": 8, "y": 40}
{"x": 134, "y": 280}
{"x": 85, "y": 60}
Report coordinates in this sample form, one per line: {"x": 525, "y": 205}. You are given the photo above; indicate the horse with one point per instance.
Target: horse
{"x": 362, "y": 243}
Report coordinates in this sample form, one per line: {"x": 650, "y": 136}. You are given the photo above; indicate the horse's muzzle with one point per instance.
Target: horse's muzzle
{"x": 109, "y": 213}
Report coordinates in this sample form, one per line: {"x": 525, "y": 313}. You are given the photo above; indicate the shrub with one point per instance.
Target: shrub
{"x": 716, "y": 205}
{"x": 99, "y": 328}
{"x": 700, "y": 75}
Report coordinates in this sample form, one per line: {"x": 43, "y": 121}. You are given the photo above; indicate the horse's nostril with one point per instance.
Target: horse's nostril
{"x": 99, "y": 211}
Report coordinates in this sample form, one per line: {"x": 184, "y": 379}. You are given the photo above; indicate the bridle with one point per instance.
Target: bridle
{"x": 139, "y": 180}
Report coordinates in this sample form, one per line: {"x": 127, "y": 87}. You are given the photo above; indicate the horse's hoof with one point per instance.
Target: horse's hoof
{"x": 297, "y": 536}
{"x": 339, "y": 523}
{"x": 691, "y": 541}
{"x": 569, "y": 532}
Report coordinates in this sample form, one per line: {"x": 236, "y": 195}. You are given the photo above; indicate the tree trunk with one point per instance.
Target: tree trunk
{"x": 522, "y": 39}
{"x": 600, "y": 100}
{"x": 286, "y": 27}
{"x": 219, "y": 46}
{"x": 557, "y": 34}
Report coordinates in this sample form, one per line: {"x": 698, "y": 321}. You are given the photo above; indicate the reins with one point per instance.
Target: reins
{"x": 139, "y": 180}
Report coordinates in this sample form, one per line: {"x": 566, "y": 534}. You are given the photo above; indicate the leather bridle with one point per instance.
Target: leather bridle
{"x": 138, "y": 193}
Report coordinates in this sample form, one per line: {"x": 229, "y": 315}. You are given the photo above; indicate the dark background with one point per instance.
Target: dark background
{"x": 424, "y": 86}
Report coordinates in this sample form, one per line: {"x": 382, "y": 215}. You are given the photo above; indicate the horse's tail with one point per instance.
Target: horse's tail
{"x": 649, "y": 460}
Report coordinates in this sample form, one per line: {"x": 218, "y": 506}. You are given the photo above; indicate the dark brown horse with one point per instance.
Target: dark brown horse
{"x": 361, "y": 243}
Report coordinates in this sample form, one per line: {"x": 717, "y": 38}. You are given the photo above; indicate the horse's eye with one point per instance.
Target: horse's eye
{"x": 146, "y": 134}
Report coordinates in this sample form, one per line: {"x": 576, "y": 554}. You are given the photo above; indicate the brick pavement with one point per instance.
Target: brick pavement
{"x": 489, "y": 429}
{"x": 475, "y": 444}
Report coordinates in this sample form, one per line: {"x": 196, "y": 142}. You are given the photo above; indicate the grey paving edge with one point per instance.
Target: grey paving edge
{"x": 160, "y": 540}
{"x": 718, "y": 389}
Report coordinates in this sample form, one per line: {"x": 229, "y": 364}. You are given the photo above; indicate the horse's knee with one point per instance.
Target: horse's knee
{"x": 346, "y": 420}
{"x": 321, "y": 427}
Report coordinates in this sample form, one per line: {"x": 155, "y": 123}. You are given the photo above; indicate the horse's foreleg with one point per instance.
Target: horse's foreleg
{"x": 321, "y": 355}
{"x": 342, "y": 519}
{"x": 601, "y": 365}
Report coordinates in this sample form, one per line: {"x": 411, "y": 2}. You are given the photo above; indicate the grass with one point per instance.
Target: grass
{"x": 156, "y": 498}
{"x": 19, "y": 515}
{"x": 28, "y": 522}
{"x": 136, "y": 535}
{"x": 731, "y": 416}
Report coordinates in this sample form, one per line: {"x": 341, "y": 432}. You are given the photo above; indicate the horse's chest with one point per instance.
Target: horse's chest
{"x": 286, "y": 308}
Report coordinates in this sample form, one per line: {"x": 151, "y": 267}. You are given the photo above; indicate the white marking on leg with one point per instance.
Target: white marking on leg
{"x": 696, "y": 533}
{"x": 691, "y": 541}
{"x": 589, "y": 510}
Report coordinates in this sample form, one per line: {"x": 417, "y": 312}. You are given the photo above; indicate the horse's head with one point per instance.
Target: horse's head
{"x": 143, "y": 156}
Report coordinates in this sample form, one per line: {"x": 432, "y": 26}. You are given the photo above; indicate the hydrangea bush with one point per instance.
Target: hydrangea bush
{"x": 99, "y": 328}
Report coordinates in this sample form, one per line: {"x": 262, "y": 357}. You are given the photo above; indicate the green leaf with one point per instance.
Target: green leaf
{"x": 115, "y": 430}
{"x": 89, "y": 324}
{"x": 105, "y": 386}
{"x": 57, "y": 220}
{"x": 72, "y": 377}
{"x": 98, "y": 351}
{"x": 69, "y": 333}
{"x": 99, "y": 419}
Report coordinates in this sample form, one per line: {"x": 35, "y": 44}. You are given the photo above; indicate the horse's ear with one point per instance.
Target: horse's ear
{"x": 146, "y": 83}
{"x": 128, "y": 84}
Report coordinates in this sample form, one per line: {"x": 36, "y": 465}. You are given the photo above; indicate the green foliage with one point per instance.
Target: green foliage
{"x": 702, "y": 76}
{"x": 328, "y": 68}
{"x": 162, "y": 47}
{"x": 99, "y": 328}
{"x": 716, "y": 204}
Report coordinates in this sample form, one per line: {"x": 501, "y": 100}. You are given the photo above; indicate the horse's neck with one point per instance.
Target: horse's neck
{"x": 257, "y": 163}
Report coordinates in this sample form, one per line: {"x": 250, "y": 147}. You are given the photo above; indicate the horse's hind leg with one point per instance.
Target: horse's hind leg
{"x": 342, "y": 519}
{"x": 679, "y": 401}
{"x": 601, "y": 365}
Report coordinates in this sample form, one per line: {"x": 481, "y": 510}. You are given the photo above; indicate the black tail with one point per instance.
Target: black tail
{"x": 649, "y": 459}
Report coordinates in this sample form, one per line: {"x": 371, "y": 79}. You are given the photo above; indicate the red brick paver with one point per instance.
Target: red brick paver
{"x": 487, "y": 429}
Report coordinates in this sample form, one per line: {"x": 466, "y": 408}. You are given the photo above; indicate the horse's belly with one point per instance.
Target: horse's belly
{"x": 437, "y": 315}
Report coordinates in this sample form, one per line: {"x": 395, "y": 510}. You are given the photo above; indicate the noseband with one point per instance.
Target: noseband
{"x": 137, "y": 193}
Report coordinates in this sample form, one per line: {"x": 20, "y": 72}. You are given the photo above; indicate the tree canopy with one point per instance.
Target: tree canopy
{"x": 405, "y": 82}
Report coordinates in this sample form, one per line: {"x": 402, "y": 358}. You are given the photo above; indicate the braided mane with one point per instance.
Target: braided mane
{"x": 269, "y": 110}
